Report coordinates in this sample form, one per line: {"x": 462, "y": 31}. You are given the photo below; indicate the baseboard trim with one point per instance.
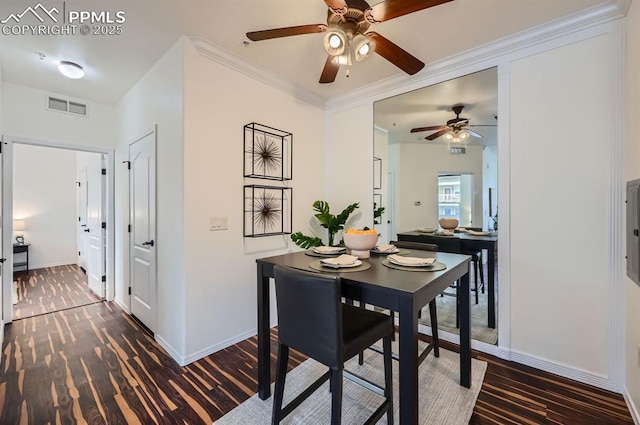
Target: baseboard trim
{"x": 217, "y": 347}
{"x": 600, "y": 381}
{"x": 633, "y": 409}
{"x": 170, "y": 350}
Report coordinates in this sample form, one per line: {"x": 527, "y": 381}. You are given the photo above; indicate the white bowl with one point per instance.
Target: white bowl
{"x": 360, "y": 244}
{"x": 448, "y": 223}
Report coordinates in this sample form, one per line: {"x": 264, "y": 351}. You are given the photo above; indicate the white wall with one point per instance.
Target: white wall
{"x": 633, "y": 172}
{"x": 417, "y": 180}
{"x": 46, "y": 201}
{"x": 157, "y": 99}
{"x": 381, "y": 150}
{"x": 25, "y": 116}
{"x": 489, "y": 180}
{"x": 220, "y": 266}
{"x": 559, "y": 264}
{"x": 348, "y": 161}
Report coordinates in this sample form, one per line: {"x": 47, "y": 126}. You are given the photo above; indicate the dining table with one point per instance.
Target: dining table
{"x": 402, "y": 290}
{"x": 472, "y": 243}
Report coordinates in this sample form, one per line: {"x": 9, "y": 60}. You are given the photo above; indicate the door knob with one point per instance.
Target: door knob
{"x": 2, "y": 260}
{"x": 87, "y": 230}
{"x": 151, "y": 243}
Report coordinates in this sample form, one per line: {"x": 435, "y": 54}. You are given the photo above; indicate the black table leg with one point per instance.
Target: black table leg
{"x": 464, "y": 309}
{"x": 408, "y": 364}
{"x": 491, "y": 300}
{"x": 264, "y": 339}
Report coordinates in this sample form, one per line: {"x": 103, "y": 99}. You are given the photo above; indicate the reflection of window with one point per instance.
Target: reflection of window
{"x": 455, "y": 197}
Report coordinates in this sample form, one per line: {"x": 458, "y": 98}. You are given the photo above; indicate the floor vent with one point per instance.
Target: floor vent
{"x": 68, "y": 106}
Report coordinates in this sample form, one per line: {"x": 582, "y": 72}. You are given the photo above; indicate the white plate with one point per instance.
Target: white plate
{"x": 330, "y": 252}
{"x": 395, "y": 251}
{"x": 336, "y": 266}
{"x": 410, "y": 265}
{"x": 474, "y": 233}
{"x": 427, "y": 230}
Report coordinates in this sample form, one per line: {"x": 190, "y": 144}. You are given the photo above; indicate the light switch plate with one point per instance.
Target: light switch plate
{"x": 218, "y": 223}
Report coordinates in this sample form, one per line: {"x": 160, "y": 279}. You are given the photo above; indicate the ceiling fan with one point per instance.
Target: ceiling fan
{"x": 346, "y": 33}
{"x": 455, "y": 130}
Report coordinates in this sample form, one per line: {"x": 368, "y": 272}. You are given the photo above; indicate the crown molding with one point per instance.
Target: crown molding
{"x": 605, "y": 12}
{"x": 217, "y": 54}
{"x": 597, "y": 15}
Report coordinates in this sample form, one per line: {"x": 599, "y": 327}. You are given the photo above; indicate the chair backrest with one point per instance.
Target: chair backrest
{"x": 415, "y": 245}
{"x": 448, "y": 244}
{"x": 310, "y": 314}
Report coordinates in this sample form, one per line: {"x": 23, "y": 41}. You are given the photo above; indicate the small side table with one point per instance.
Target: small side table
{"x": 20, "y": 248}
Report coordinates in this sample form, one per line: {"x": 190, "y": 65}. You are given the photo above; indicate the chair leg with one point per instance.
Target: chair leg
{"x": 475, "y": 280}
{"x": 481, "y": 273}
{"x": 434, "y": 328}
{"x": 458, "y": 306}
{"x": 388, "y": 377}
{"x": 281, "y": 374}
{"x": 336, "y": 396}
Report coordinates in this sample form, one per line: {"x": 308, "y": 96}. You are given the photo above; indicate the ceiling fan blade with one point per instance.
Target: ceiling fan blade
{"x": 285, "y": 32}
{"x": 330, "y": 70}
{"x": 482, "y": 125}
{"x": 437, "y": 134}
{"x": 431, "y": 128}
{"x": 337, "y": 5}
{"x": 391, "y": 9}
{"x": 395, "y": 54}
{"x": 474, "y": 134}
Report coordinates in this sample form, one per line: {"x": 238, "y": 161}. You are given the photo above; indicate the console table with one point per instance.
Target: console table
{"x": 20, "y": 248}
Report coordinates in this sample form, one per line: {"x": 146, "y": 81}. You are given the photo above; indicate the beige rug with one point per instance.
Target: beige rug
{"x": 446, "y": 307}
{"x": 442, "y": 400}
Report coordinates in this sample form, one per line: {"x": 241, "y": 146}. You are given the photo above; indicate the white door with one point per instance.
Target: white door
{"x": 83, "y": 229}
{"x": 95, "y": 235}
{"x": 142, "y": 204}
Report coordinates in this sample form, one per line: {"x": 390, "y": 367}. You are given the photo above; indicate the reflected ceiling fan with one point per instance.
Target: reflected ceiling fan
{"x": 455, "y": 130}
{"x": 347, "y": 38}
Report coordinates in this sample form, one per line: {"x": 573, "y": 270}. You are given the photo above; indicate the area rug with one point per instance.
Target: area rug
{"x": 441, "y": 399}
{"x": 446, "y": 307}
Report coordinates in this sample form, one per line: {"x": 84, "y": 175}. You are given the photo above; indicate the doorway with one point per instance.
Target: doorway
{"x": 52, "y": 236}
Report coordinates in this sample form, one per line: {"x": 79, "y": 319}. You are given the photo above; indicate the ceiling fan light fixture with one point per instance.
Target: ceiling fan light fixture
{"x": 71, "y": 70}
{"x": 463, "y": 135}
{"x": 362, "y": 47}
{"x": 449, "y": 136}
{"x": 335, "y": 42}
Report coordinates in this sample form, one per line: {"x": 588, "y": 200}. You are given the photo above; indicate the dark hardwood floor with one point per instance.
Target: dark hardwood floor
{"x": 94, "y": 365}
{"x": 51, "y": 289}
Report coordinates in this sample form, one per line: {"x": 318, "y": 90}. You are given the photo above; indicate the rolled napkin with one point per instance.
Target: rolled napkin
{"x": 386, "y": 248}
{"x": 410, "y": 261}
{"x": 329, "y": 249}
{"x": 341, "y": 261}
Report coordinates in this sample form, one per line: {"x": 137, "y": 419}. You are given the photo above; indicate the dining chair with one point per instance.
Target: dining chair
{"x": 313, "y": 320}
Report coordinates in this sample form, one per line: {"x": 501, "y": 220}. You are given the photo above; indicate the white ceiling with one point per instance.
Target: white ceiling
{"x": 114, "y": 63}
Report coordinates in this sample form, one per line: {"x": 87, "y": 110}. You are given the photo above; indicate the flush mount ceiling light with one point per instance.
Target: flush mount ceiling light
{"x": 71, "y": 70}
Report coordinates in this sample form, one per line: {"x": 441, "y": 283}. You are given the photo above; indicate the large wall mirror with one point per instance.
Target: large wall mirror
{"x": 436, "y": 155}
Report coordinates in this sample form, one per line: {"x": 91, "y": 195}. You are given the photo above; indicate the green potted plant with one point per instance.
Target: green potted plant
{"x": 333, "y": 224}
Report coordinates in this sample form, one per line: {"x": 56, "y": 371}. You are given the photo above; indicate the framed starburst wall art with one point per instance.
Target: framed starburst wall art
{"x": 267, "y": 210}
{"x": 267, "y": 152}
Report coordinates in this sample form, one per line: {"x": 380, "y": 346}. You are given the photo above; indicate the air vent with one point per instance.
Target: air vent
{"x": 457, "y": 151}
{"x": 62, "y": 105}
